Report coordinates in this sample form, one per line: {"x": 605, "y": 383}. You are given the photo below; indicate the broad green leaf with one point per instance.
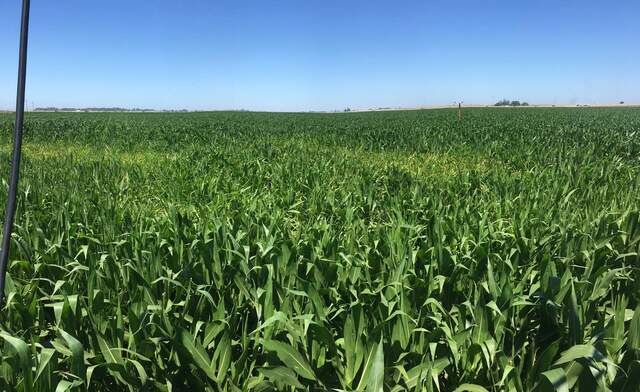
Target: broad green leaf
{"x": 375, "y": 380}
{"x": 371, "y": 362}
{"x": 470, "y": 388}
{"x": 65, "y": 385}
{"x": 575, "y": 318}
{"x": 282, "y": 375}
{"x": 77, "y": 354}
{"x": 544, "y": 362}
{"x": 633, "y": 341}
{"x": 194, "y": 351}
{"x": 46, "y": 354}
{"x": 290, "y": 357}
{"x": 579, "y": 351}
{"x": 110, "y": 355}
{"x": 557, "y": 380}
{"x": 350, "y": 344}
{"x": 416, "y": 374}
{"x": 142, "y": 374}
{"x": 24, "y": 358}
{"x": 223, "y": 354}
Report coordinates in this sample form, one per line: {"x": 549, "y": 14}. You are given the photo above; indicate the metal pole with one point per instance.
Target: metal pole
{"x": 17, "y": 148}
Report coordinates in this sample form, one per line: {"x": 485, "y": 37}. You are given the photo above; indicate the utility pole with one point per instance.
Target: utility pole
{"x": 17, "y": 148}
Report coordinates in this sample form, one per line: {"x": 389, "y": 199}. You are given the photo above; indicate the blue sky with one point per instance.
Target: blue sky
{"x": 321, "y": 55}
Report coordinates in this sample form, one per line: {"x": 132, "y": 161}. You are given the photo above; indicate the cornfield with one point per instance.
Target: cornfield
{"x": 384, "y": 251}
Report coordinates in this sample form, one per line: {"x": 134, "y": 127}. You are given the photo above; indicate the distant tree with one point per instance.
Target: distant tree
{"x": 347, "y": 110}
{"x": 621, "y": 102}
{"x": 506, "y": 102}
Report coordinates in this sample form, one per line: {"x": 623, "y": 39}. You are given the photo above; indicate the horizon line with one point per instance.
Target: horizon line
{"x": 117, "y": 109}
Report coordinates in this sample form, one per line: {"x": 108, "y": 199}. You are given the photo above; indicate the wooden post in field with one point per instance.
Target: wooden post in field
{"x": 459, "y": 111}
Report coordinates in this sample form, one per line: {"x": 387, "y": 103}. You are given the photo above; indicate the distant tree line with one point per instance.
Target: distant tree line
{"x": 506, "y": 102}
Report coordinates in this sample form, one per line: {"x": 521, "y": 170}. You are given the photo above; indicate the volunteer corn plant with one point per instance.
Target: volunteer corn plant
{"x": 395, "y": 251}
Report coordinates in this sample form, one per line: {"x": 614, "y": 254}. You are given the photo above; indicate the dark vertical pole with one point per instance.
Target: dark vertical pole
{"x": 459, "y": 111}
{"x": 17, "y": 148}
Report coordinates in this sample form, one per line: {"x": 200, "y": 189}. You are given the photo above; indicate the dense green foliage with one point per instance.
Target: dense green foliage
{"x": 363, "y": 251}
{"x": 506, "y": 102}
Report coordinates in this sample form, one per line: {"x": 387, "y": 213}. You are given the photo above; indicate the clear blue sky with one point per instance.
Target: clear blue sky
{"x": 321, "y": 55}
